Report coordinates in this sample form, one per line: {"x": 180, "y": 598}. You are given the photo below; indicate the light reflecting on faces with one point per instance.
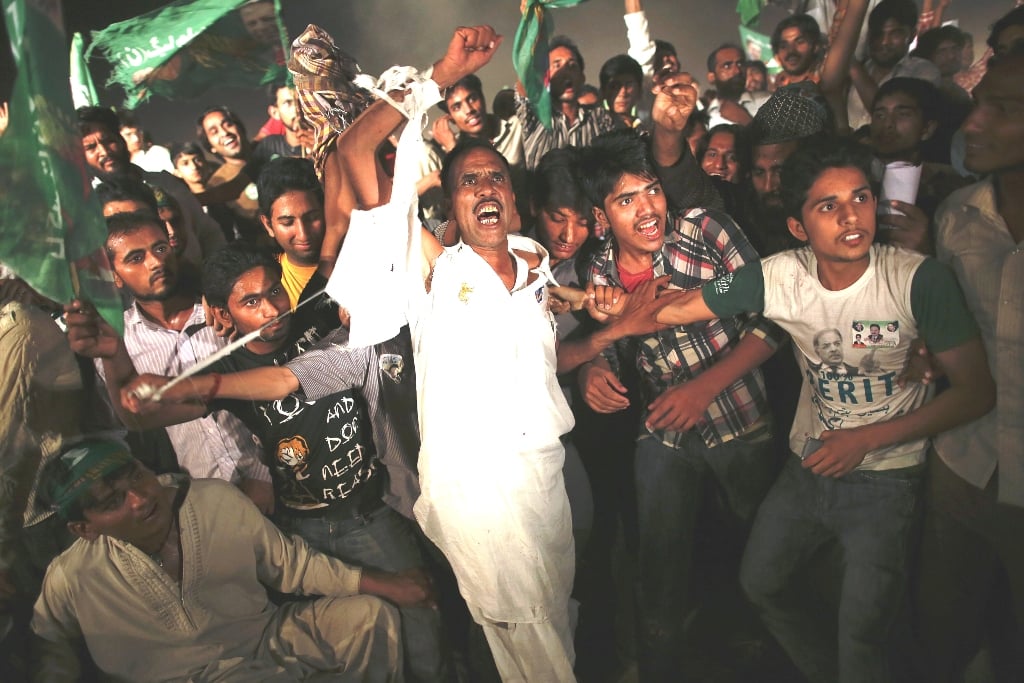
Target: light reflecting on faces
{"x": 720, "y": 158}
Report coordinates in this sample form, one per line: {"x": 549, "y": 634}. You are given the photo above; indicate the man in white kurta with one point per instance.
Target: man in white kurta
{"x": 490, "y": 408}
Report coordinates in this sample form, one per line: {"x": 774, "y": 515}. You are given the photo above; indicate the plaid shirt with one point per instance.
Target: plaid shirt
{"x": 703, "y": 245}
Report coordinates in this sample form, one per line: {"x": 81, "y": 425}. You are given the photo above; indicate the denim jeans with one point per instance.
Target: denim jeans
{"x": 669, "y": 487}
{"x": 873, "y": 516}
{"x": 384, "y": 540}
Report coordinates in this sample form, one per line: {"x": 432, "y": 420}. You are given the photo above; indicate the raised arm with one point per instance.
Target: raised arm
{"x": 638, "y": 37}
{"x": 354, "y": 165}
{"x": 840, "y": 53}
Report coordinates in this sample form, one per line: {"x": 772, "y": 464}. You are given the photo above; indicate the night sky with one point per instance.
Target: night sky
{"x": 380, "y": 33}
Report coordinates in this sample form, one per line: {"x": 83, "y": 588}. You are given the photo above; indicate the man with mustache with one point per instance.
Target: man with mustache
{"x": 107, "y": 157}
{"x": 571, "y": 123}
{"x": 490, "y": 409}
{"x": 734, "y": 103}
{"x": 165, "y": 331}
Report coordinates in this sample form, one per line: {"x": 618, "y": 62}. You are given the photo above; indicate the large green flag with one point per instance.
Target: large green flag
{"x": 530, "y": 54}
{"x": 51, "y": 224}
{"x": 189, "y": 46}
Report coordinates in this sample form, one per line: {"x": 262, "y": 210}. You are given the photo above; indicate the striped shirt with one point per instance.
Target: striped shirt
{"x": 702, "y": 245}
{"x": 218, "y": 445}
{"x": 538, "y": 140}
{"x": 384, "y": 375}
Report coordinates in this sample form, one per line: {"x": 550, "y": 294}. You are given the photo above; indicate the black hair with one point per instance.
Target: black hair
{"x": 56, "y": 474}
{"x": 557, "y": 183}
{"x": 568, "y": 44}
{"x": 927, "y": 96}
{"x": 712, "y": 57}
{"x": 271, "y": 91}
{"x": 504, "y": 104}
{"x": 123, "y": 187}
{"x": 223, "y": 268}
{"x": 740, "y": 142}
{"x": 759, "y": 65}
{"x": 97, "y": 116}
{"x": 929, "y": 41}
{"x": 470, "y": 82}
{"x": 121, "y": 224}
{"x": 128, "y": 119}
{"x": 803, "y": 168}
{"x": 228, "y": 114}
{"x": 611, "y": 156}
{"x": 903, "y": 12}
{"x": 1014, "y": 17}
{"x": 620, "y": 65}
{"x": 465, "y": 144}
{"x": 286, "y": 174}
{"x": 179, "y": 148}
{"x": 662, "y": 49}
{"x": 807, "y": 25}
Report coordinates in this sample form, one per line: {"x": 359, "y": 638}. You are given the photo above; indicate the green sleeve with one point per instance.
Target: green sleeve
{"x": 741, "y": 291}
{"x": 938, "y": 306}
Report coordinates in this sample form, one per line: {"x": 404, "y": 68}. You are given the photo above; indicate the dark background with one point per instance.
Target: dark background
{"x": 380, "y": 33}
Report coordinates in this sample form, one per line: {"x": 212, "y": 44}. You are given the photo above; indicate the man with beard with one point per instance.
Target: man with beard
{"x": 107, "y": 156}
{"x": 571, "y": 124}
{"x": 791, "y": 115}
{"x": 296, "y": 139}
{"x": 892, "y": 26}
{"x": 734, "y": 103}
{"x": 165, "y": 331}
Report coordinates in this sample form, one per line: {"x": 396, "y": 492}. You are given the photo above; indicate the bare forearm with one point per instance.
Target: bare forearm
{"x": 574, "y": 353}
{"x": 632, "y": 6}
{"x": 837, "y": 62}
{"x": 688, "y": 307}
{"x": 260, "y": 384}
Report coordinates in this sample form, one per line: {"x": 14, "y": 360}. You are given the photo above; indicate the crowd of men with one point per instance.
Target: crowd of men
{"x": 720, "y": 385}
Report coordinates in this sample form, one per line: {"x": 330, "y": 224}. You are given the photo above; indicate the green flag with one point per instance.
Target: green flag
{"x": 749, "y": 11}
{"x": 83, "y": 92}
{"x": 189, "y": 46}
{"x": 51, "y": 225}
{"x": 530, "y": 54}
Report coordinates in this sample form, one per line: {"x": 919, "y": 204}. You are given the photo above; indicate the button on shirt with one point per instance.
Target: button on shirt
{"x": 975, "y": 240}
{"x": 217, "y": 445}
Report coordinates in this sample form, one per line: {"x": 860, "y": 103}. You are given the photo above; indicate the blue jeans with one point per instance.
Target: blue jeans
{"x": 669, "y": 487}
{"x": 873, "y": 517}
{"x": 384, "y": 540}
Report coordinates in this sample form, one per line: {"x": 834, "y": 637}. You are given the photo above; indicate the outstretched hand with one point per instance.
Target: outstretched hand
{"x": 470, "y": 48}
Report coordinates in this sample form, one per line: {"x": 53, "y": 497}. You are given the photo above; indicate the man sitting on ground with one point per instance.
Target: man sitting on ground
{"x": 167, "y": 582}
